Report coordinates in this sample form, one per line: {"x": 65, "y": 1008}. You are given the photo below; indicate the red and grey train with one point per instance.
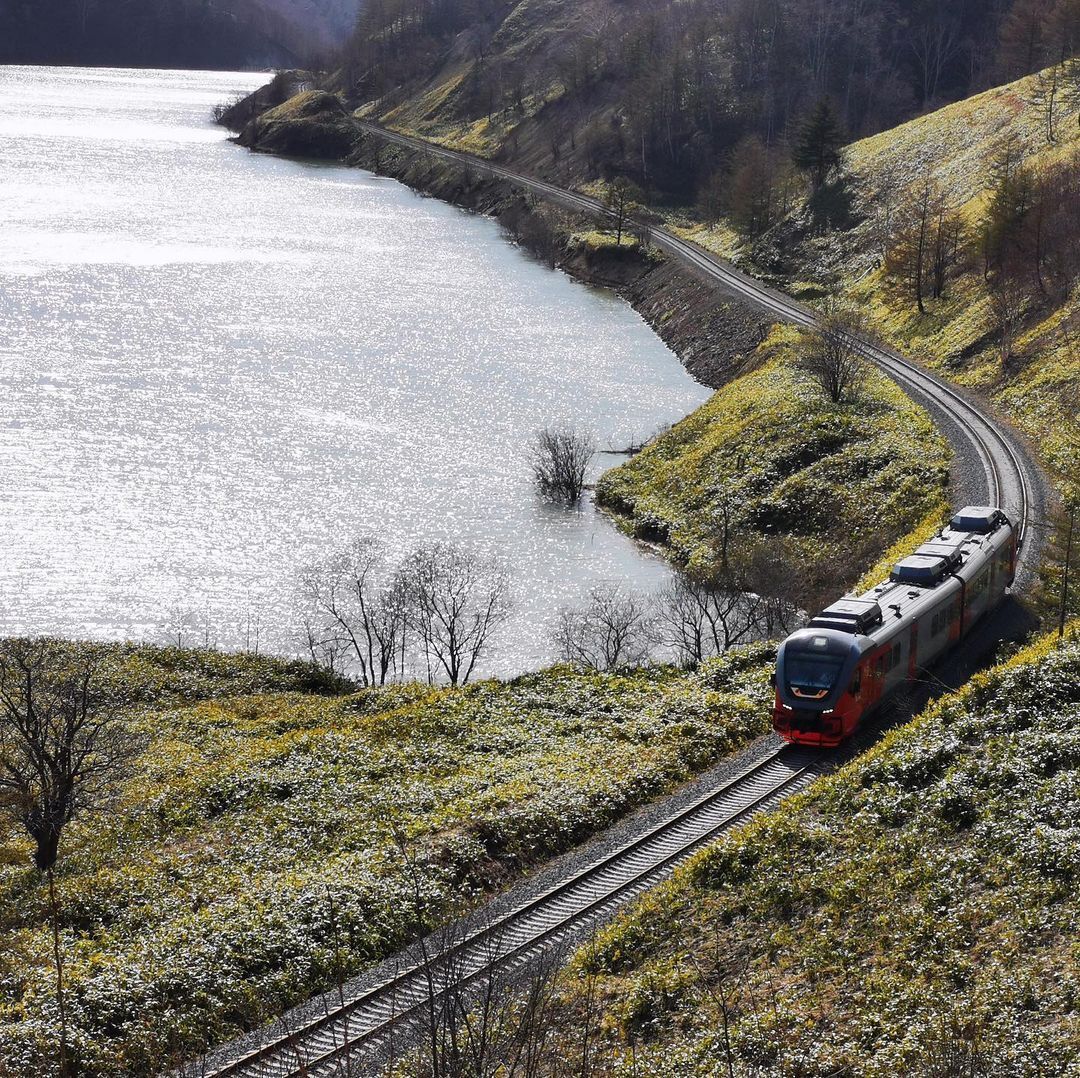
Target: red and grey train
{"x": 849, "y": 658}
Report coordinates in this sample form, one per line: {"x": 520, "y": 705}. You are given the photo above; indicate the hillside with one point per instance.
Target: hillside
{"x": 827, "y": 487}
{"x": 225, "y": 34}
{"x": 664, "y": 92}
{"x": 957, "y": 234}
{"x": 272, "y": 833}
{"x": 1005, "y": 315}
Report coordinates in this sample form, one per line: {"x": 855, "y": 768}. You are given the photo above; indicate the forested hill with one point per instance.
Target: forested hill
{"x": 662, "y": 90}
{"x": 224, "y": 34}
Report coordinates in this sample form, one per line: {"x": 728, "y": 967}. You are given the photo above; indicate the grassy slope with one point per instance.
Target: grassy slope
{"x": 255, "y": 854}
{"x": 851, "y": 478}
{"x": 957, "y": 143}
{"x": 919, "y": 907}
{"x": 529, "y": 39}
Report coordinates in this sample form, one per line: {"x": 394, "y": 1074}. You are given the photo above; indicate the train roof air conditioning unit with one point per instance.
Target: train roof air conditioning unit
{"x": 858, "y": 616}
{"x": 926, "y": 572}
{"x": 952, "y": 554}
{"x": 983, "y": 519}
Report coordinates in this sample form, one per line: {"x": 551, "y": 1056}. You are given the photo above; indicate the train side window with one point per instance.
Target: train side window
{"x": 856, "y": 682}
{"x": 895, "y": 661}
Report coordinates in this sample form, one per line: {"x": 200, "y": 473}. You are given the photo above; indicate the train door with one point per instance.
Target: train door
{"x": 862, "y": 693}
{"x": 913, "y": 650}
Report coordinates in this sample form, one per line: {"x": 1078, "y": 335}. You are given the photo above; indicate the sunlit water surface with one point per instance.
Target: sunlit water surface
{"x": 217, "y": 366}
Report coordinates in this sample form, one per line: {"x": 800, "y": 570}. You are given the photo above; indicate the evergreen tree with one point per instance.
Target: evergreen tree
{"x": 819, "y": 146}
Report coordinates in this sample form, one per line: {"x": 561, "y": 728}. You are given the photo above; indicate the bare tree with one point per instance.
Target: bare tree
{"x": 830, "y": 352}
{"x": 886, "y": 200}
{"x": 615, "y": 629}
{"x": 926, "y": 241}
{"x": 1046, "y": 98}
{"x": 699, "y": 617}
{"x": 181, "y": 627}
{"x": 560, "y": 457}
{"x": 351, "y": 609}
{"x": 1008, "y": 302}
{"x": 320, "y": 643}
{"x": 63, "y": 747}
{"x": 455, "y": 600}
{"x": 622, "y": 198}
{"x": 933, "y": 44}
{"x": 947, "y": 247}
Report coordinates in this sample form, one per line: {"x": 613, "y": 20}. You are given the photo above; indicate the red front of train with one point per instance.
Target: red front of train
{"x": 818, "y": 688}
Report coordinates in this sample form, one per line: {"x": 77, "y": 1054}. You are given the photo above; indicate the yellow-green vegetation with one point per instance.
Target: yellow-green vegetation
{"x": 718, "y": 237}
{"x": 434, "y": 114}
{"x": 959, "y": 149}
{"x": 598, "y": 241}
{"x": 271, "y": 838}
{"x": 959, "y": 145}
{"x": 770, "y": 457}
{"x": 917, "y": 913}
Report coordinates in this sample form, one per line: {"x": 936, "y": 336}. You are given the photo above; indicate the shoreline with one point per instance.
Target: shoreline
{"x": 714, "y": 331}
{"x": 713, "y": 335}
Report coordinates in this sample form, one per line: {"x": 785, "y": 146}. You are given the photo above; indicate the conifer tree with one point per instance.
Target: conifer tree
{"x": 819, "y": 147}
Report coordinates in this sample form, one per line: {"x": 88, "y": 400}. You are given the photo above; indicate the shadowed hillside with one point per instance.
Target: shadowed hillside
{"x": 663, "y": 92}
{"x": 172, "y": 33}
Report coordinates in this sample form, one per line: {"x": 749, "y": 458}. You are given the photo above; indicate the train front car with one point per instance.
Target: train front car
{"x": 817, "y": 690}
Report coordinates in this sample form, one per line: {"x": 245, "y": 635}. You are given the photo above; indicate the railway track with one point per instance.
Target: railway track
{"x": 1007, "y": 471}
{"x": 351, "y": 1032}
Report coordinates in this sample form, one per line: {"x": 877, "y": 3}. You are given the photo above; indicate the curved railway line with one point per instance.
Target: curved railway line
{"x": 351, "y": 1030}
{"x": 1005, "y": 464}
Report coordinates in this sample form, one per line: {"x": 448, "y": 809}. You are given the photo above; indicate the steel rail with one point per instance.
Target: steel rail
{"x": 357, "y": 1024}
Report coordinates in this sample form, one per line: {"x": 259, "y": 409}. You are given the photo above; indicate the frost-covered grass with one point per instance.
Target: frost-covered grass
{"x": 918, "y": 913}
{"x": 843, "y": 480}
{"x": 259, "y": 848}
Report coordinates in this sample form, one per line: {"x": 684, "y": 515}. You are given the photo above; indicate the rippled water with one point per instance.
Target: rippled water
{"x": 215, "y": 366}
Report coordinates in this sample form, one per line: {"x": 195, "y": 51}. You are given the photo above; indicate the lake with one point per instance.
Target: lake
{"x": 217, "y": 366}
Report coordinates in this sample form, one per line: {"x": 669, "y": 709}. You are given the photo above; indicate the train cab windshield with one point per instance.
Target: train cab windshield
{"x": 812, "y": 668}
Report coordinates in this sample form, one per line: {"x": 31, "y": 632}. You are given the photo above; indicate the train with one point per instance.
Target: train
{"x": 848, "y": 659}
